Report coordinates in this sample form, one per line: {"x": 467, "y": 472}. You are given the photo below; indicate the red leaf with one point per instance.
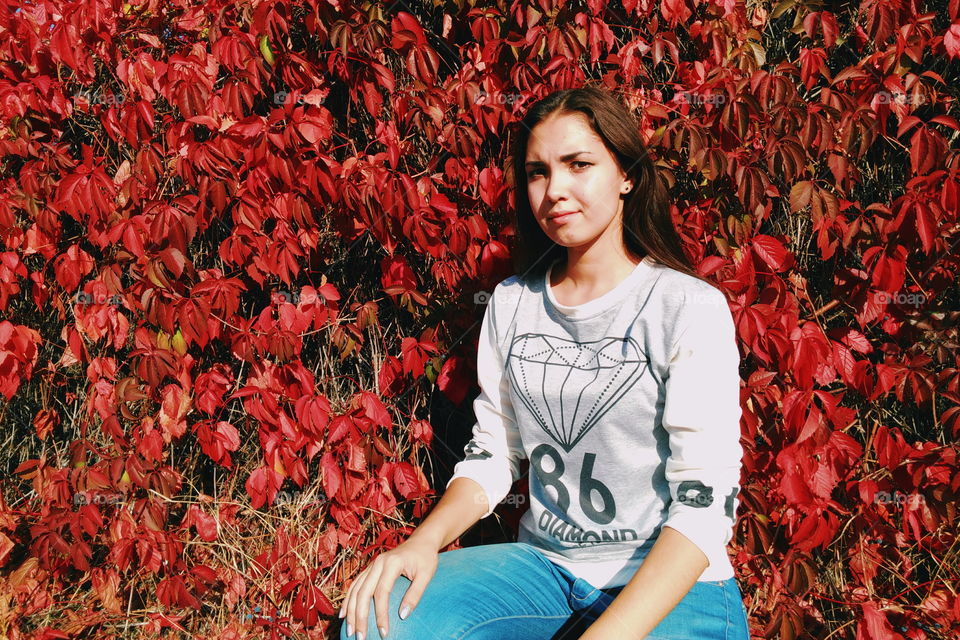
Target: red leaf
{"x": 313, "y": 412}
{"x": 811, "y": 425}
{"x": 356, "y": 460}
{"x": 844, "y": 362}
{"x": 455, "y": 379}
{"x": 205, "y": 523}
{"x": 374, "y": 410}
{"x": 228, "y": 436}
{"x": 406, "y": 480}
{"x": 865, "y": 558}
{"x": 328, "y": 292}
{"x": 151, "y": 444}
{"x": 406, "y": 30}
{"x": 217, "y": 440}
{"x": 815, "y": 530}
{"x": 330, "y": 475}
{"x": 800, "y": 195}
{"x": 203, "y": 575}
{"x": 951, "y": 40}
{"x": 494, "y": 260}
{"x": 105, "y": 584}
{"x": 390, "y": 377}
{"x": 888, "y": 271}
{"x": 397, "y": 276}
{"x": 18, "y": 355}
{"x": 792, "y": 484}
{"x": 210, "y": 387}
{"x": 492, "y": 188}
{"x": 824, "y": 480}
{"x": 926, "y": 226}
{"x": 262, "y": 486}
{"x": 316, "y": 128}
{"x": 6, "y": 546}
{"x": 413, "y": 357}
{"x": 675, "y": 11}
{"x": 309, "y": 604}
{"x": 172, "y": 592}
{"x": 174, "y": 260}
{"x": 876, "y": 626}
{"x": 771, "y": 251}
{"x": 71, "y": 267}
{"x": 811, "y": 64}
{"x": 856, "y": 341}
{"x": 421, "y": 431}
{"x": 45, "y": 421}
{"x": 173, "y": 411}
{"x": 339, "y": 428}
{"x": 890, "y": 447}
{"x": 248, "y": 130}
{"x": 828, "y": 23}
{"x": 61, "y": 44}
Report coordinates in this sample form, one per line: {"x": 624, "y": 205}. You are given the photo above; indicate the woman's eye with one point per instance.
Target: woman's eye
{"x": 535, "y": 172}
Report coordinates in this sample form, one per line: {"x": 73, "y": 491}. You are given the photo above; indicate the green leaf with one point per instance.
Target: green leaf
{"x": 265, "y": 50}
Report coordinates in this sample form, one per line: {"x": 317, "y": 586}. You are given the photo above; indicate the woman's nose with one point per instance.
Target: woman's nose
{"x": 557, "y": 186}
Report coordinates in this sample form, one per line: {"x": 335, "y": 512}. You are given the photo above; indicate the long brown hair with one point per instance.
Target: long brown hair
{"x": 647, "y": 226}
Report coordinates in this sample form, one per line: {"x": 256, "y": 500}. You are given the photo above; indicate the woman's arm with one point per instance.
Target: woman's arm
{"x": 668, "y": 572}
{"x": 702, "y": 419}
{"x": 460, "y": 507}
{"x": 492, "y": 456}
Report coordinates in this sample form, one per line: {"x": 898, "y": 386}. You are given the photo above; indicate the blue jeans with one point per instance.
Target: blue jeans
{"x": 511, "y": 591}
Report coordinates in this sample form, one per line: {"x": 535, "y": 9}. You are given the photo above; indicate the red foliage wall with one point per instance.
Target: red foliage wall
{"x": 241, "y": 243}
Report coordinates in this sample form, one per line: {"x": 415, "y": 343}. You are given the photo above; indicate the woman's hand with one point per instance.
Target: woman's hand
{"x": 415, "y": 559}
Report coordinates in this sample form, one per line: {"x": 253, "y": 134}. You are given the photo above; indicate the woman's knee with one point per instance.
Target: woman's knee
{"x": 471, "y": 586}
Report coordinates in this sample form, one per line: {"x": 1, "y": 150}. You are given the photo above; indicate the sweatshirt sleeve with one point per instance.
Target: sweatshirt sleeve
{"x": 492, "y": 457}
{"x": 702, "y": 418}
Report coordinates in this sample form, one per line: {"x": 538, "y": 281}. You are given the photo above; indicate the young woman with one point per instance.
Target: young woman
{"x": 613, "y": 368}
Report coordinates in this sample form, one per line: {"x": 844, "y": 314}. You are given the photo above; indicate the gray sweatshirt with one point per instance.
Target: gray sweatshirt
{"x": 626, "y": 406}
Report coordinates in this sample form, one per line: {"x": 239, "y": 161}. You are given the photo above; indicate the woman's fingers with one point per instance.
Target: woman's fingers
{"x": 414, "y": 561}
{"x": 351, "y": 602}
{"x": 414, "y": 592}
{"x": 361, "y": 601}
{"x": 381, "y": 595}
{"x": 346, "y": 609}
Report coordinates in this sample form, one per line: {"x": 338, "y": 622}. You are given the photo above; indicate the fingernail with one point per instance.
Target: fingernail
{"x": 359, "y": 635}
{"x": 342, "y": 612}
{"x": 383, "y": 633}
{"x": 349, "y": 629}
{"x": 404, "y": 612}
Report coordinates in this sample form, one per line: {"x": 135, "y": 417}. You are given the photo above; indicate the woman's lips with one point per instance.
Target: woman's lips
{"x": 562, "y": 218}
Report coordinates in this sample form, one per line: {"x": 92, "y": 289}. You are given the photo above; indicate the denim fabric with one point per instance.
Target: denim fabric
{"x": 511, "y": 591}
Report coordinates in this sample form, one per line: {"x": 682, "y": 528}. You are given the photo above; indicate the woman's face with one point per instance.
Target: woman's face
{"x": 588, "y": 184}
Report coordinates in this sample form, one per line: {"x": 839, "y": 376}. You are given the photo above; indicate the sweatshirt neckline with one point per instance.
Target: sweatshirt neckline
{"x": 600, "y": 303}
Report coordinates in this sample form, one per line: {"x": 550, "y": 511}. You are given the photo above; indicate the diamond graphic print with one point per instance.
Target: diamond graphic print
{"x": 567, "y": 385}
